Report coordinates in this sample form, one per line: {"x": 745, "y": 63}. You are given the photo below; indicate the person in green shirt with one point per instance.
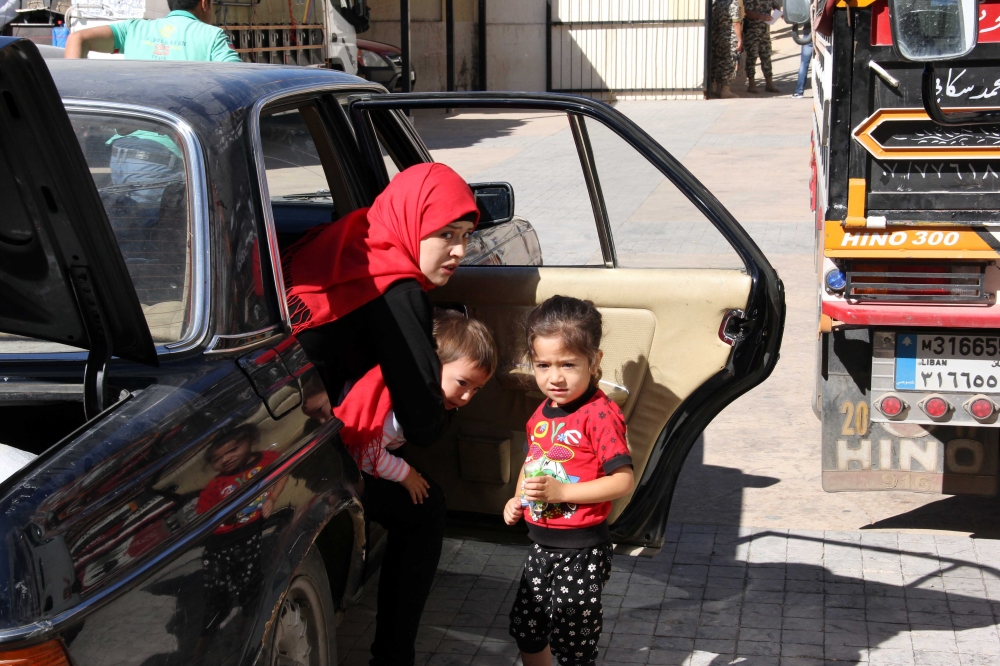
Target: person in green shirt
{"x": 186, "y": 33}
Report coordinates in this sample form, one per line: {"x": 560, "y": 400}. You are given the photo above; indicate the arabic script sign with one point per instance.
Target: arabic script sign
{"x": 989, "y": 23}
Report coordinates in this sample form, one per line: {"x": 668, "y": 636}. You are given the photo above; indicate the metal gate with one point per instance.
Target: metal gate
{"x": 627, "y": 48}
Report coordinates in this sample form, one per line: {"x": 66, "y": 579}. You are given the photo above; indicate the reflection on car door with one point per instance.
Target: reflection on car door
{"x": 687, "y": 329}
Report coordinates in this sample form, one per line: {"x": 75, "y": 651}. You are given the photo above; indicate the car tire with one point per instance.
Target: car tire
{"x": 305, "y": 628}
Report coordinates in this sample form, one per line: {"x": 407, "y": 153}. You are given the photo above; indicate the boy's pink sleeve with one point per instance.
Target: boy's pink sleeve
{"x": 391, "y": 467}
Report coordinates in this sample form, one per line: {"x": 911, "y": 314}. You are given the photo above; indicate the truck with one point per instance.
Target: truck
{"x": 907, "y": 217}
{"x": 289, "y": 32}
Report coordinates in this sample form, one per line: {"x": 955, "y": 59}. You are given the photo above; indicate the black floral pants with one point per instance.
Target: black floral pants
{"x": 559, "y": 602}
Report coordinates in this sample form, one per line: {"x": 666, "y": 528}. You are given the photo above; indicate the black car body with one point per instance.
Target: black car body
{"x": 383, "y": 63}
{"x": 145, "y": 228}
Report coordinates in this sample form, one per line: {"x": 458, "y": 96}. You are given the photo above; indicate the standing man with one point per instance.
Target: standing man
{"x": 727, "y": 42}
{"x": 186, "y": 33}
{"x": 757, "y": 37}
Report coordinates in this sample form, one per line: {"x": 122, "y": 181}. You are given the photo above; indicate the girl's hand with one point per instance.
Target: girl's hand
{"x": 416, "y": 486}
{"x": 513, "y": 511}
{"x": 268, "y": 508}
{"x": 543, "y": 488}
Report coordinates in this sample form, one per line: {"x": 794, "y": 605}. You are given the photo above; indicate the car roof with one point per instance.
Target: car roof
{"x": 200, "y": 92}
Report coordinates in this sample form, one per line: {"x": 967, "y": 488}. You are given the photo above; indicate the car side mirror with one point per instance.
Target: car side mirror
{"x": 495, "y": 202}
{"x": 797, "y": 11}
{"x": 361, "y": 8}
{"x": 929, "y": 30}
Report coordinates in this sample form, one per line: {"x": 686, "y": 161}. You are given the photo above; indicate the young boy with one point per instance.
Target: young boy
{"x": 468, "y": 358}
{"x": 232, "y": 557}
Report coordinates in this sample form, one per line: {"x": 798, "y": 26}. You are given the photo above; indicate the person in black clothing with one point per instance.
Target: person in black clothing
{"x": 357, "y": 297}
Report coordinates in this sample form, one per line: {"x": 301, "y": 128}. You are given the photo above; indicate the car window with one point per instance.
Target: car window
{"x": 535, "y": 152}
{"x": 652, "y": 223}
{"x": 140, "y": 172}
{"x": 305, "y": 179}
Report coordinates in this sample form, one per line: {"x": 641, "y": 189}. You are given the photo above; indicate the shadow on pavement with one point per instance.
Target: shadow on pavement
{"x": 962, "y": 513}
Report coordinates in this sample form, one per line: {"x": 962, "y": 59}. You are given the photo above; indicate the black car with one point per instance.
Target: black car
{"x": 145, "y": 344}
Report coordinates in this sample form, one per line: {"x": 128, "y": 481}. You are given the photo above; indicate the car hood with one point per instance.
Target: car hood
{"x": 62, "y": 276}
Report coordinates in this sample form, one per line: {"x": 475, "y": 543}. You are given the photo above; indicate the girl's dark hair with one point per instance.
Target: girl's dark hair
{"x": 576, "y": 323}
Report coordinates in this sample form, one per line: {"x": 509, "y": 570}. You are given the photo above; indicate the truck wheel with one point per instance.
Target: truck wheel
{"x": 305, "y": 632}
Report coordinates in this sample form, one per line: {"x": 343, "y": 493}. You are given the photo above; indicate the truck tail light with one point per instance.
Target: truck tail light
{"x": 935, "y": 407}
{"x": 980, "y": 407}
{"x": 892, "y": 406}
{"x": 50, "y": 653}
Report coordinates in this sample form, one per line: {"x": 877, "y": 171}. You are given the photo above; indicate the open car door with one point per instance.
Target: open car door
{"x": 62, "y": 276}
{"x": 692, "y": 310}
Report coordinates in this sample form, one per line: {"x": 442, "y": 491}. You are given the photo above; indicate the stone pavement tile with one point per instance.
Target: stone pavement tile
{"x": 851, "y": 639}
{"x": 729, "y": 618}
{"x": 928, "y": 620}
{"x": 890, "y": 657}
{"x": 631, "y": 641}
{"x": 717, "y": 632}
{"x": 623, "y": 656}
{"x": 802, "y": 637}
{"x": 495, "y": 660}
{"x": 941, "y": 640}
{"x": 756, "y": 660}
{"x": 849, "y": 653}
{"x": 854, "y": 614}
{"x": 449, "y": 660}
{"x": 473, "y": 620}
{"x": 768, "y": 635}
{"x": 443, "y": 605}
{"x": 883, "y": 635}
{"x": 668, "y": 657}
{"x": 802, "y": 624}
{"x": 437, "y": 619}
{"x": 979, "y": 660}
{"x": 760, "y": 621}
{"x": 635, "y": 627}
{"x": 673, "y": 643}
{"x": 810, "y": 650}
{"x": 800, "y": 661}
{"x": 356, "y": 658}
{"x": 759, "y": 648}
{"x": 676, "y": 628}
{"x": 716, "y": 645}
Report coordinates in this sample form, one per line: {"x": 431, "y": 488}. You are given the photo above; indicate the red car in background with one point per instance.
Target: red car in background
{"x": 383, "y": 63}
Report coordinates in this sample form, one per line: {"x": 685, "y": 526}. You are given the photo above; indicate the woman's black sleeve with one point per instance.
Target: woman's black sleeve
{"x": 401, "y": 323}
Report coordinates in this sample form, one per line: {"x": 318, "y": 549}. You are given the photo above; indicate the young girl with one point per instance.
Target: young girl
{"x": 468, "y": 359}
{"x": 578, "y": 462}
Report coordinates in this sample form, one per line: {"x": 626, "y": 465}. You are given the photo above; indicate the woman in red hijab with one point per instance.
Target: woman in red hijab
{"x": 357, "y": 297}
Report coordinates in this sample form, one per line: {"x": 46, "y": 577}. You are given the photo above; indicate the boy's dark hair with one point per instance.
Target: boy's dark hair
{"x": 458, "y": 336}
{"x": 576, "y": 323}
{"x": 244, "y": 433}
{"x": 182, "y": 5}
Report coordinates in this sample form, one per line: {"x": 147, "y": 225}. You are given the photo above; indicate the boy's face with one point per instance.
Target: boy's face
{"x": 460, "y": 380}
{"x": 229, "y": 457}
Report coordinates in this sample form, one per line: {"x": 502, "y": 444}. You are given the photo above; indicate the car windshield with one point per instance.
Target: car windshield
{"x": 139, "y": 169}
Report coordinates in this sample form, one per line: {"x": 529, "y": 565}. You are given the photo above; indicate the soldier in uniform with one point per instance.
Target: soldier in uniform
{"x": 727, "y": 42}
{"x": 757, "y": 38}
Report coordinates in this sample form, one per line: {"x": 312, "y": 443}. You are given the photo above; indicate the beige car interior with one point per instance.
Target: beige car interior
{"x": 661, "y": 342}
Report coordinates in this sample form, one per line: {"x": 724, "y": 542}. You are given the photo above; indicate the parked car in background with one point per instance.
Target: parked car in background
{"x": 145, "y": 343}
{"x": 383, "y": 63}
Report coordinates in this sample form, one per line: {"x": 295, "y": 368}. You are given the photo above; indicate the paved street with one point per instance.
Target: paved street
{"x": 760, "y": 565}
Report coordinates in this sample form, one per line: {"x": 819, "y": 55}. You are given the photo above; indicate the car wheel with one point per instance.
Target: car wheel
{"x": 305, "y": 632}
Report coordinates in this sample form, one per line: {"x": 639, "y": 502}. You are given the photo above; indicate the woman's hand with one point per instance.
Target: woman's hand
{"x": 416, "y": 486}
{"x": 543, "y": 488}
{"x": 513, "y": 511}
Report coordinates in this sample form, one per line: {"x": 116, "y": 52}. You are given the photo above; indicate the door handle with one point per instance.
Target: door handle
{"x": 270, "y": 379}
{"x": 734, "y": 326}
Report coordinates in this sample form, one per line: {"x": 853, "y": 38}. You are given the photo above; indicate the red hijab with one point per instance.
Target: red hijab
{"x": 338, "y": 267}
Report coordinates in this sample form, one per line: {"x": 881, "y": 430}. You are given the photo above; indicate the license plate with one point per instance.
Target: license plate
{"x": 947, "y": 363}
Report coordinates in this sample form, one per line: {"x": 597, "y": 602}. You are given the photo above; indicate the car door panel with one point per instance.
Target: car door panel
{"x": 661, "y": 342}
